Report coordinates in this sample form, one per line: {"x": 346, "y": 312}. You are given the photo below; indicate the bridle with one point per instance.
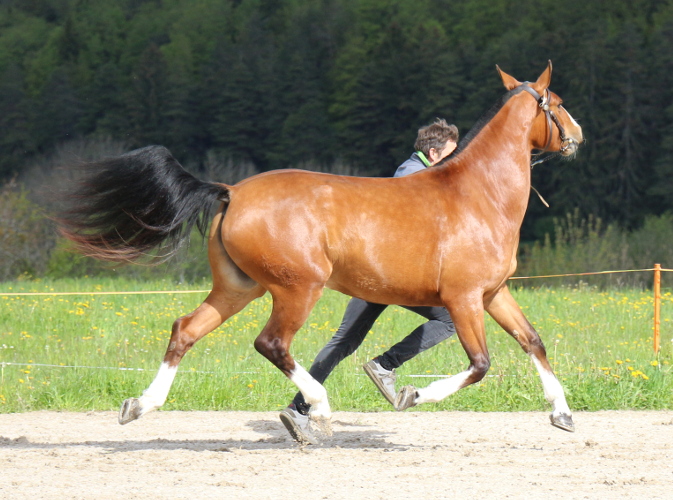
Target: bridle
{"x": 543, "y": 103}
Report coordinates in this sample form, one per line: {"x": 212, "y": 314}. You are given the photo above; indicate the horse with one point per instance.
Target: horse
{"x": 446, "y": 236}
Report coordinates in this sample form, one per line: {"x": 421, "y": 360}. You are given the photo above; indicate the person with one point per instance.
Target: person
{"x": 433, "y": 143}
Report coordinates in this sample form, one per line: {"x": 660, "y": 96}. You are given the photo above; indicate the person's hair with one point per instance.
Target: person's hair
{"x": 435, "y": 135}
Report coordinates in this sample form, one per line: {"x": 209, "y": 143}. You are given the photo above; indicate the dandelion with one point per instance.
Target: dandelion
{"x": 654, "y": 363}
{"x": 619, "y": 361}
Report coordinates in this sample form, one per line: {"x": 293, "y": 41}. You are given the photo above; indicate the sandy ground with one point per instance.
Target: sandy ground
{"x": 387, "y": 455}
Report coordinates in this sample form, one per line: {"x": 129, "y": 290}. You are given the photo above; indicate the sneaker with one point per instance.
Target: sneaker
{"x": 406, "y": 398}
{"x": 383, "y": 379}
{"x": 297, "y": 425}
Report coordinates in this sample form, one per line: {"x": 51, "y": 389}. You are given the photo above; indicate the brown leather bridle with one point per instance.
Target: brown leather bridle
{"x": 543, "y": 102}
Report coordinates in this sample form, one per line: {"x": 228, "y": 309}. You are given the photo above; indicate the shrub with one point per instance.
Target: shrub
{"x": 583, "y": 245}
{"x": 26, "y": 237}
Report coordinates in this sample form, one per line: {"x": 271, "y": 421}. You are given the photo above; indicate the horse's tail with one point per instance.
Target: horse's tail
{"x": 128, "y": 206}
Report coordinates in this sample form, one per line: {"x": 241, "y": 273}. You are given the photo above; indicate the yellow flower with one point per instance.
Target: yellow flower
{"x": 619, "y": 361}
{"x": 654, "y": 363}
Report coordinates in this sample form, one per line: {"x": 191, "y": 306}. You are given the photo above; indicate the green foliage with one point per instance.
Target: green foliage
{"x": 190, "y": 265}
{"x": 651, "y": 244}
{"x": 585, "y": 245}
{"x": 25, "y": 236}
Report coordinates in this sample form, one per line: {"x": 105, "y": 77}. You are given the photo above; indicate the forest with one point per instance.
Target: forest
{"x": 235, "y": 87}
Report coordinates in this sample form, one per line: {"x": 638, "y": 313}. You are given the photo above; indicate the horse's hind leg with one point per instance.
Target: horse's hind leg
{"x": 232, "y": 291}
{"x": 187, "y": 330}
{"x": 290, "y": 311}
{"x": 504, "y": 309}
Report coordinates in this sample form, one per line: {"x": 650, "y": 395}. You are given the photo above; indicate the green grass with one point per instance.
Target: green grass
{"x": 600, "y": 344}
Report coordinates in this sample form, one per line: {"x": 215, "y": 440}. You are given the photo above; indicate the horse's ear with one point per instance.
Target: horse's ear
{"x": 544, "y": 81}
{"x": 508, "y": 81}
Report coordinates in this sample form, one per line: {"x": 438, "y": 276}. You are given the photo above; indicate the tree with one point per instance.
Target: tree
{"x": 148, "y": 99}
{"x": 389, "y": 84}
{"x": 16, "y": 119}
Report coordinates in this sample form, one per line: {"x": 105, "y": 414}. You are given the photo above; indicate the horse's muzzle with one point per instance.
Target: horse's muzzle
{"x": 569, "y": 147}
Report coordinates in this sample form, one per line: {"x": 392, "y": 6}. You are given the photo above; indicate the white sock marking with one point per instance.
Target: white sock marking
{"x": 441, "y": 389}
{"x": 314, "y": 393}
{"x": 553, "y": 390}
{"x": 155, "y": 395}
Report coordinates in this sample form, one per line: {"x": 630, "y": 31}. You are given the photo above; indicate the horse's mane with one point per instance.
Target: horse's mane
{"x": 481, "y": 123}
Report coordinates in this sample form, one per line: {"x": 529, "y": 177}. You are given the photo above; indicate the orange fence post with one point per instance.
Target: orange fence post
{"x": 657, "y": 305}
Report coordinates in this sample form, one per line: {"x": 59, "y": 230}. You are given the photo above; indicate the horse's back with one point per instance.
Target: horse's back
{"x": 349, "y": 233}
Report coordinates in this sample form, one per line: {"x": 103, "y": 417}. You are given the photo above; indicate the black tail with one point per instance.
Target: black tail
{"x": 144, "y": 200}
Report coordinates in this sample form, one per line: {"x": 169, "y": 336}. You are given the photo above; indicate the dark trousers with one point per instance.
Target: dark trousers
{"x": 358, "y": 320}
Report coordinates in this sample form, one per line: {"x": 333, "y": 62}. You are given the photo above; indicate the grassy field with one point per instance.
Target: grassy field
{"x": 90, "y": 352}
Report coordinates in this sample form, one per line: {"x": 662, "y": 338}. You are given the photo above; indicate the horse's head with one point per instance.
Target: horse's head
{"x": 553, "y": 128}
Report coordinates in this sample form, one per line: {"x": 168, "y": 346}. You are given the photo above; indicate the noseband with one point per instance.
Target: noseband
{"x": 543, "y": 102}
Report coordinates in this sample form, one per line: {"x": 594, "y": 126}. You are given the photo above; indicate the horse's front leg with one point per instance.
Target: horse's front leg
{"x": 468, "y": 316}
{"x": 504, "y": 309}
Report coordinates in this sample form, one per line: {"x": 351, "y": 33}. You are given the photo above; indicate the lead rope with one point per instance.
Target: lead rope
{"x": 544, "y": 202}
{"x": 537, "y": 162}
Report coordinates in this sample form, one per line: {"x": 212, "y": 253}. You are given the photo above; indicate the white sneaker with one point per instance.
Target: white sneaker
{"x": 297, "y": 425}
{"x": 383, "y": 379}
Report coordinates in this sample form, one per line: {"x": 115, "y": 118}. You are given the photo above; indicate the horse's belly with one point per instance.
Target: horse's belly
{"x": 405, "y": 290}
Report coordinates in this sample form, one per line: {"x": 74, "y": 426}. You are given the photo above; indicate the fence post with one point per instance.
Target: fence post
{"x": 657, "y": 305}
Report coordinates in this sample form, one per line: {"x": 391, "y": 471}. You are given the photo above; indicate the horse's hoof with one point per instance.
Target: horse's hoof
{"x": 321, "y": 425}
{"x": 129, "y": 411}
{"x": 406, "y": 398}
{"x": 562, "y": 421}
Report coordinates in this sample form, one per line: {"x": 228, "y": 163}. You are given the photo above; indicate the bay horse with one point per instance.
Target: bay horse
{"x": 445, "y": 236}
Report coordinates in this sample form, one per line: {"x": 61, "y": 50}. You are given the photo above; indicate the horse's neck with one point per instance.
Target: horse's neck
{"x": 498, "y": 158}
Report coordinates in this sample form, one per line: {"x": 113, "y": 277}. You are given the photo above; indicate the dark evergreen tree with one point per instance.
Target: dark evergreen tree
{"x": 16, "y": 122}
{"x": 660, "y": 189}
{"x": 148, "y": 99}
{"x": 403, "y": 78}
{"x": 58, "y": 111}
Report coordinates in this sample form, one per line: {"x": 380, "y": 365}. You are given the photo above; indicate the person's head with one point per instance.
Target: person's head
{"x": 437, "y": 140}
